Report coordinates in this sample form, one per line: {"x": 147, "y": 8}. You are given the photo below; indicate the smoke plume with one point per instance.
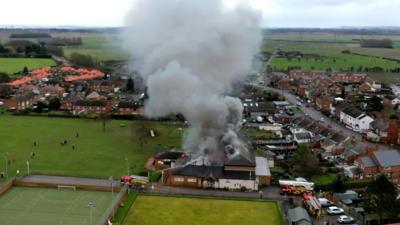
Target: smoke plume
{"x": 190, "y": 53}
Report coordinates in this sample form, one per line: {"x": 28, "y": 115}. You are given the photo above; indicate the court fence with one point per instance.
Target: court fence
{"x": 113, "y": 207}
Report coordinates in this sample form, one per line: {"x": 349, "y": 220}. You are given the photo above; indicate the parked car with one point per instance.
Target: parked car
{"x": 345, "y": 219}
{"x": 322, "y": 119}
{"x": 333, "y": 210}
{"x": 289, "y": 112}
{"x": 298, "y": 103}
{"x": 325, "y": 202}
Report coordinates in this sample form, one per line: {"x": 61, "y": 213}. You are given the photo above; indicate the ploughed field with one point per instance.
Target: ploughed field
{"x": 150, "y": 210}
{"x": 47, "y": 206}
{"x": 97, "y": 153}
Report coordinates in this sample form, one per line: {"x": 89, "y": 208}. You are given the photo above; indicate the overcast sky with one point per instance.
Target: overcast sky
{"x": 276, "y": 13}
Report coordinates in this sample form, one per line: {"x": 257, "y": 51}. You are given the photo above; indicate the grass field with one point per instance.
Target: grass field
{"x": 14, "y": 65}
{"x": 98, "y": 153}
{"x": 100, "y": 46}
{"x": 330, "y": 47}
{"x": 150, "y": 210}
{"x": 325, "y": 179}
{"x": 45, "y": 206}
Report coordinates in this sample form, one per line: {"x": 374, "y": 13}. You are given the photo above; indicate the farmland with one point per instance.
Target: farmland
{"x": 149, "y": 210}
{"x": 102, "y": 47}
{"x": 330, "y": 47}
{"x": 14, "y": 65}
{"x": 98, "y": 153}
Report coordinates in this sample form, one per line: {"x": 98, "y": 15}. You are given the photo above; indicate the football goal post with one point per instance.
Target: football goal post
{"x": 68, "y": 187}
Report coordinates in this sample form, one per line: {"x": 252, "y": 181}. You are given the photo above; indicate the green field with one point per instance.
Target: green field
{"x": 97, "y": 153}
{"x": 45, "y": 206}
{"x": 330, "y": 47}
{"x": 325, "y": 179}
{"x": 150, "y": 210}
{"x": 14, "y": 65}
{"x": 100, "y": 46}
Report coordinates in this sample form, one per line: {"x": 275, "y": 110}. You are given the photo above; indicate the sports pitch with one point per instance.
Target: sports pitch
{"x": 46, "y": 206}
{"x": 150, "y": 210}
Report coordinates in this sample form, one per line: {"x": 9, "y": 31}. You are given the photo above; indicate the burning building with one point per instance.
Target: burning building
{"x": 240, "y": 170}
{"x": 190, "y": 53}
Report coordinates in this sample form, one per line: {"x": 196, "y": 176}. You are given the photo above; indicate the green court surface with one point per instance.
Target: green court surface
{"x": 152, "y": 210}
{"x": 46, "y": 206}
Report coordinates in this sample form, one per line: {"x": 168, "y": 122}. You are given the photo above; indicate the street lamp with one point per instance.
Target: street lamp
{"x": 90, "y": 205}
{"x": 27, "y": 165}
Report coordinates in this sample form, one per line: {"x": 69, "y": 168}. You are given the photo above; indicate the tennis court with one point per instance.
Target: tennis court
{"x": 48, "y": 206}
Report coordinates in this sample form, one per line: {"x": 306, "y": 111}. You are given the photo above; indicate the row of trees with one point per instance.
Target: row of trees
{"x": 376, "y": 43}
{"x": 64, "y": 41}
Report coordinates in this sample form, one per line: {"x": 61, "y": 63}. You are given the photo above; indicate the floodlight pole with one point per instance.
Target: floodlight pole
{"x": 127, "y": 166}
{"x": 112, "y": 195}
{"x": 6, "y": 158}
{"x": 27, "y": 165}
{"x": 90, "y": 205}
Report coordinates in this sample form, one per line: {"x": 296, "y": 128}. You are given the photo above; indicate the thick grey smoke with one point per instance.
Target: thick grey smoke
{"x": 190, "y": 52}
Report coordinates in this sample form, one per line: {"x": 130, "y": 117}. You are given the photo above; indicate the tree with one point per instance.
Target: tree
{"x": 25, "y": 70}
{"x": 130, "y": 86}
{"x": 381, "y": 197}
{"x": 338, "y": 185}
{"x": 304, "y": 163}
{"x": 4, "y": 77}
{"x": 55, "y": 50}
{"x": 375, "y": 104}
{"x": 82, "y": 60}
{"x": 54, "y": 103}
{"x": 5, "y": 90}
{"x": 104, "y": 118}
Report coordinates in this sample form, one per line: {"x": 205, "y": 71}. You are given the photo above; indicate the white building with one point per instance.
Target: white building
{"x": 355, "y": 119}
{"x": 395, "y": 89}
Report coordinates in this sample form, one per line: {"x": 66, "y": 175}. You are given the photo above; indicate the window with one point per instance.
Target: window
{"x": 192, "y": 180}
{"x": 179, "y": 179}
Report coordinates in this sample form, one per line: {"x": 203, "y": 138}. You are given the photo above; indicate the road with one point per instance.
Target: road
{"x": 316, "y": 115}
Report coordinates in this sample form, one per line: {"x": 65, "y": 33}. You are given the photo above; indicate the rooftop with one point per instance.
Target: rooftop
{"x": 387, "y": 158}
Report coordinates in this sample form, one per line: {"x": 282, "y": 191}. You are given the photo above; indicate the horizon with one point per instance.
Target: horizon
{"x": 273, "y": 13}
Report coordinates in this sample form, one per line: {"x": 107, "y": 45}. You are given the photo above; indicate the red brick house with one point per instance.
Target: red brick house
{"x": 283, "y": 84}
{"x": 91, "y": 106}
{"x": 384, "y": 162}
{"x": 323, "y": 103}
{"x": 128, "y": 108}
{"x": 19, "y": 103}
{"x": 103, "y": 86}
{"x": 348, "y": 78}
{"x": 387, "y": 130}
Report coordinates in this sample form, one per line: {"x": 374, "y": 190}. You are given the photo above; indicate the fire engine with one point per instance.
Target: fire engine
{"x": 312, "y": 204}
{"x": 296, "y": 187}
{"x": 134, "y": 181}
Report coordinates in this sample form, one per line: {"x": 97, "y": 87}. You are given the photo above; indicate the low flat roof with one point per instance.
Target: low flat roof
{"x": 262, "y": 167}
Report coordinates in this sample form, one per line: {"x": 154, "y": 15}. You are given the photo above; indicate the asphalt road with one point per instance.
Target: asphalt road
{"x": 315, "y": 114}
